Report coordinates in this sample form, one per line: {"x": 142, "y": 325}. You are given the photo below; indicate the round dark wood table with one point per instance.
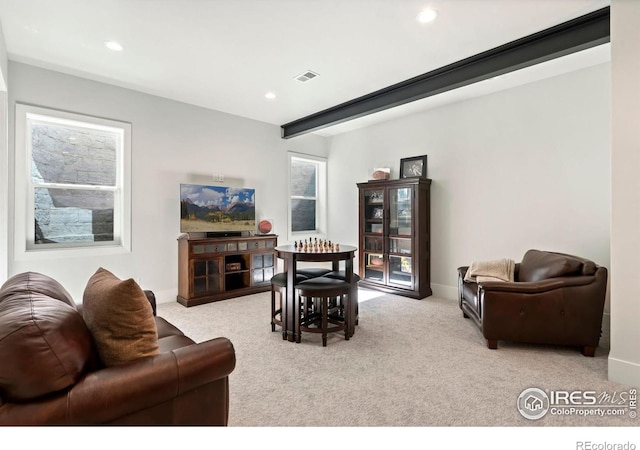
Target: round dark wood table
{"x": 291, "y": 308}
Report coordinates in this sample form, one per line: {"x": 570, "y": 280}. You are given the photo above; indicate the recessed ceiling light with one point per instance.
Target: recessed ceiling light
{"x": 113, "y": 45}
{"x": 270, "y": 95}
{"x": 427, "y": 15}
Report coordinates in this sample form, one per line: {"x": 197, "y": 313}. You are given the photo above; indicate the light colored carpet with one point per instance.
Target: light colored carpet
{"x": 411, "y": 363}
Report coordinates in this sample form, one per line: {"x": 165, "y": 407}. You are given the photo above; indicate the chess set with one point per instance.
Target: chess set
{"x": 316, "y": 245}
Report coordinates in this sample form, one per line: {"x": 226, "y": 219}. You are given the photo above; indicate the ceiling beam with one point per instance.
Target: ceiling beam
{"x": 575, "y": 35}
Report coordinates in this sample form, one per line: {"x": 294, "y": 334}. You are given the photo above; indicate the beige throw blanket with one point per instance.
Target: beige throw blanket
{"x": 497, "y": 270}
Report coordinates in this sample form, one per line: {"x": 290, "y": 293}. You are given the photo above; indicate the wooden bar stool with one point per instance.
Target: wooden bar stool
{"x": 323, "y": 306}
{"x": 279, "y": 284}
{"x": 341, "y": 275}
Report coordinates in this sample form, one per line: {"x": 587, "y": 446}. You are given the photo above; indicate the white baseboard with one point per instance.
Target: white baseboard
{"x": 624, "y": 372}
{"x": 166, "y": 296}
{"x": 444, "y": 291}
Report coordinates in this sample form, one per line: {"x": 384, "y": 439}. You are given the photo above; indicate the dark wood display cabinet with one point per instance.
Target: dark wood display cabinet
{"x": 394, "y": 236}
{"x": 211, "y": 269}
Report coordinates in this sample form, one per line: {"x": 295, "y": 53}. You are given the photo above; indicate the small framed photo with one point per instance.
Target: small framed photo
{"x": 377, "y": 213}
{"x": 376, "y": 197}
{"x": 413, "y": 167}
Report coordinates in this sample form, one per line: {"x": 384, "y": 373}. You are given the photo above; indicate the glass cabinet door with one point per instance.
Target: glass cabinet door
{"x": 400, "y": 208}
{"x": 373, "y": 211}
{"x": 388, "y": 234}
{"x": 374, "y": 235}
{"x": 374, "y": 267}
{"x": 400, "y": 236}
{"x": 206, "y": 276}
{"x": 400, "y": 272}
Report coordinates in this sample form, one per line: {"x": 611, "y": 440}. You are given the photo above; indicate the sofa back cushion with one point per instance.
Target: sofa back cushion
{"x": 539, "y": 265}
{"x": 120, "y": 319}
{"x": 45, "y": 345}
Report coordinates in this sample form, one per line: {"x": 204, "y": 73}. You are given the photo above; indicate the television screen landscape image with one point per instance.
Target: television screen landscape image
{"x": 216, "y": 209}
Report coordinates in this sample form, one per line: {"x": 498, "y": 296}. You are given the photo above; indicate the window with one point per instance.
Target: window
{"x": 307, "y": 190}
{"x": 73, "y": 174}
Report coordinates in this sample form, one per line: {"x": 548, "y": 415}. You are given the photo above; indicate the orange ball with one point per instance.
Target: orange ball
{"x": 264, "y": 226}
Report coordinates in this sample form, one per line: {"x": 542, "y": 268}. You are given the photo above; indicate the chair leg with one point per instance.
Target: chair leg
{"x": 588, "y": 350}
{"x": 273, "y": 309}
{"x": 344, "y": 300}
{"x": 324, "y": 306}
{"x": 492, "y": 344}
{"x": 355, "y": 299}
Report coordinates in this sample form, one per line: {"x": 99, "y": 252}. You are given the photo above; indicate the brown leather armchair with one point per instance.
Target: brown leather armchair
{"x": 50, "y": 372}
{"x": 555, "y": 299}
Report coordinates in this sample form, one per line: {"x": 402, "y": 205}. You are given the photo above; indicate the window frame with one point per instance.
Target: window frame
{"x": 320, "y": 198}
{"x": 24, "y": 232}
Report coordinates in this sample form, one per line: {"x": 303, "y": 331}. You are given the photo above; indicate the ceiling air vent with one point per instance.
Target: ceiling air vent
{"x": 306, "y": 76}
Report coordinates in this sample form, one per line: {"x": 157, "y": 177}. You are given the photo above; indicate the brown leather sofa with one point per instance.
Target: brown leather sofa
{"x": 50, "y": 372}
{"x": 555, "y": 299}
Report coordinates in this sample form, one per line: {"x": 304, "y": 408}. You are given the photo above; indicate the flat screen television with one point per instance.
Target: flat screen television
{"x": 216, "y": 210}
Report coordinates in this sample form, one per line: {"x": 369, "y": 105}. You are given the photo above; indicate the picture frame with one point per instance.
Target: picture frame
{"x": 377, "y": 213}
{"x": 375, "y": 198}
{"x": 413, "y": 167}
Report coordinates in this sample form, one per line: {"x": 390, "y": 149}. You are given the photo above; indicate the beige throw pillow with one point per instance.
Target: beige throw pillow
{"x": 120, "y": 318}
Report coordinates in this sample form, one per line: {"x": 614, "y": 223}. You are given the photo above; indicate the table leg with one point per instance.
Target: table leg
{"x": 291, "y": 309}
{"x": 285, "y": 301}
{"x": 353, "y": 298}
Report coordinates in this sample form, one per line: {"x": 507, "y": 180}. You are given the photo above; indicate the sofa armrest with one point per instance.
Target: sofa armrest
{"x": 535, "y": 287}
{"x": 124, "y": 394}
{"x": 115, "y": 392}
{"x": 152, "y": 299}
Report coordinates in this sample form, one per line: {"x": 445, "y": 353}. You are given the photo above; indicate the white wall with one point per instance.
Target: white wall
{"x": 624, "y": 357}
{"x": 172, "y": 142}
{"x": 4, "y": 161}
{"x": 523, "y": 168}
{"x": 3, "y": 61}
